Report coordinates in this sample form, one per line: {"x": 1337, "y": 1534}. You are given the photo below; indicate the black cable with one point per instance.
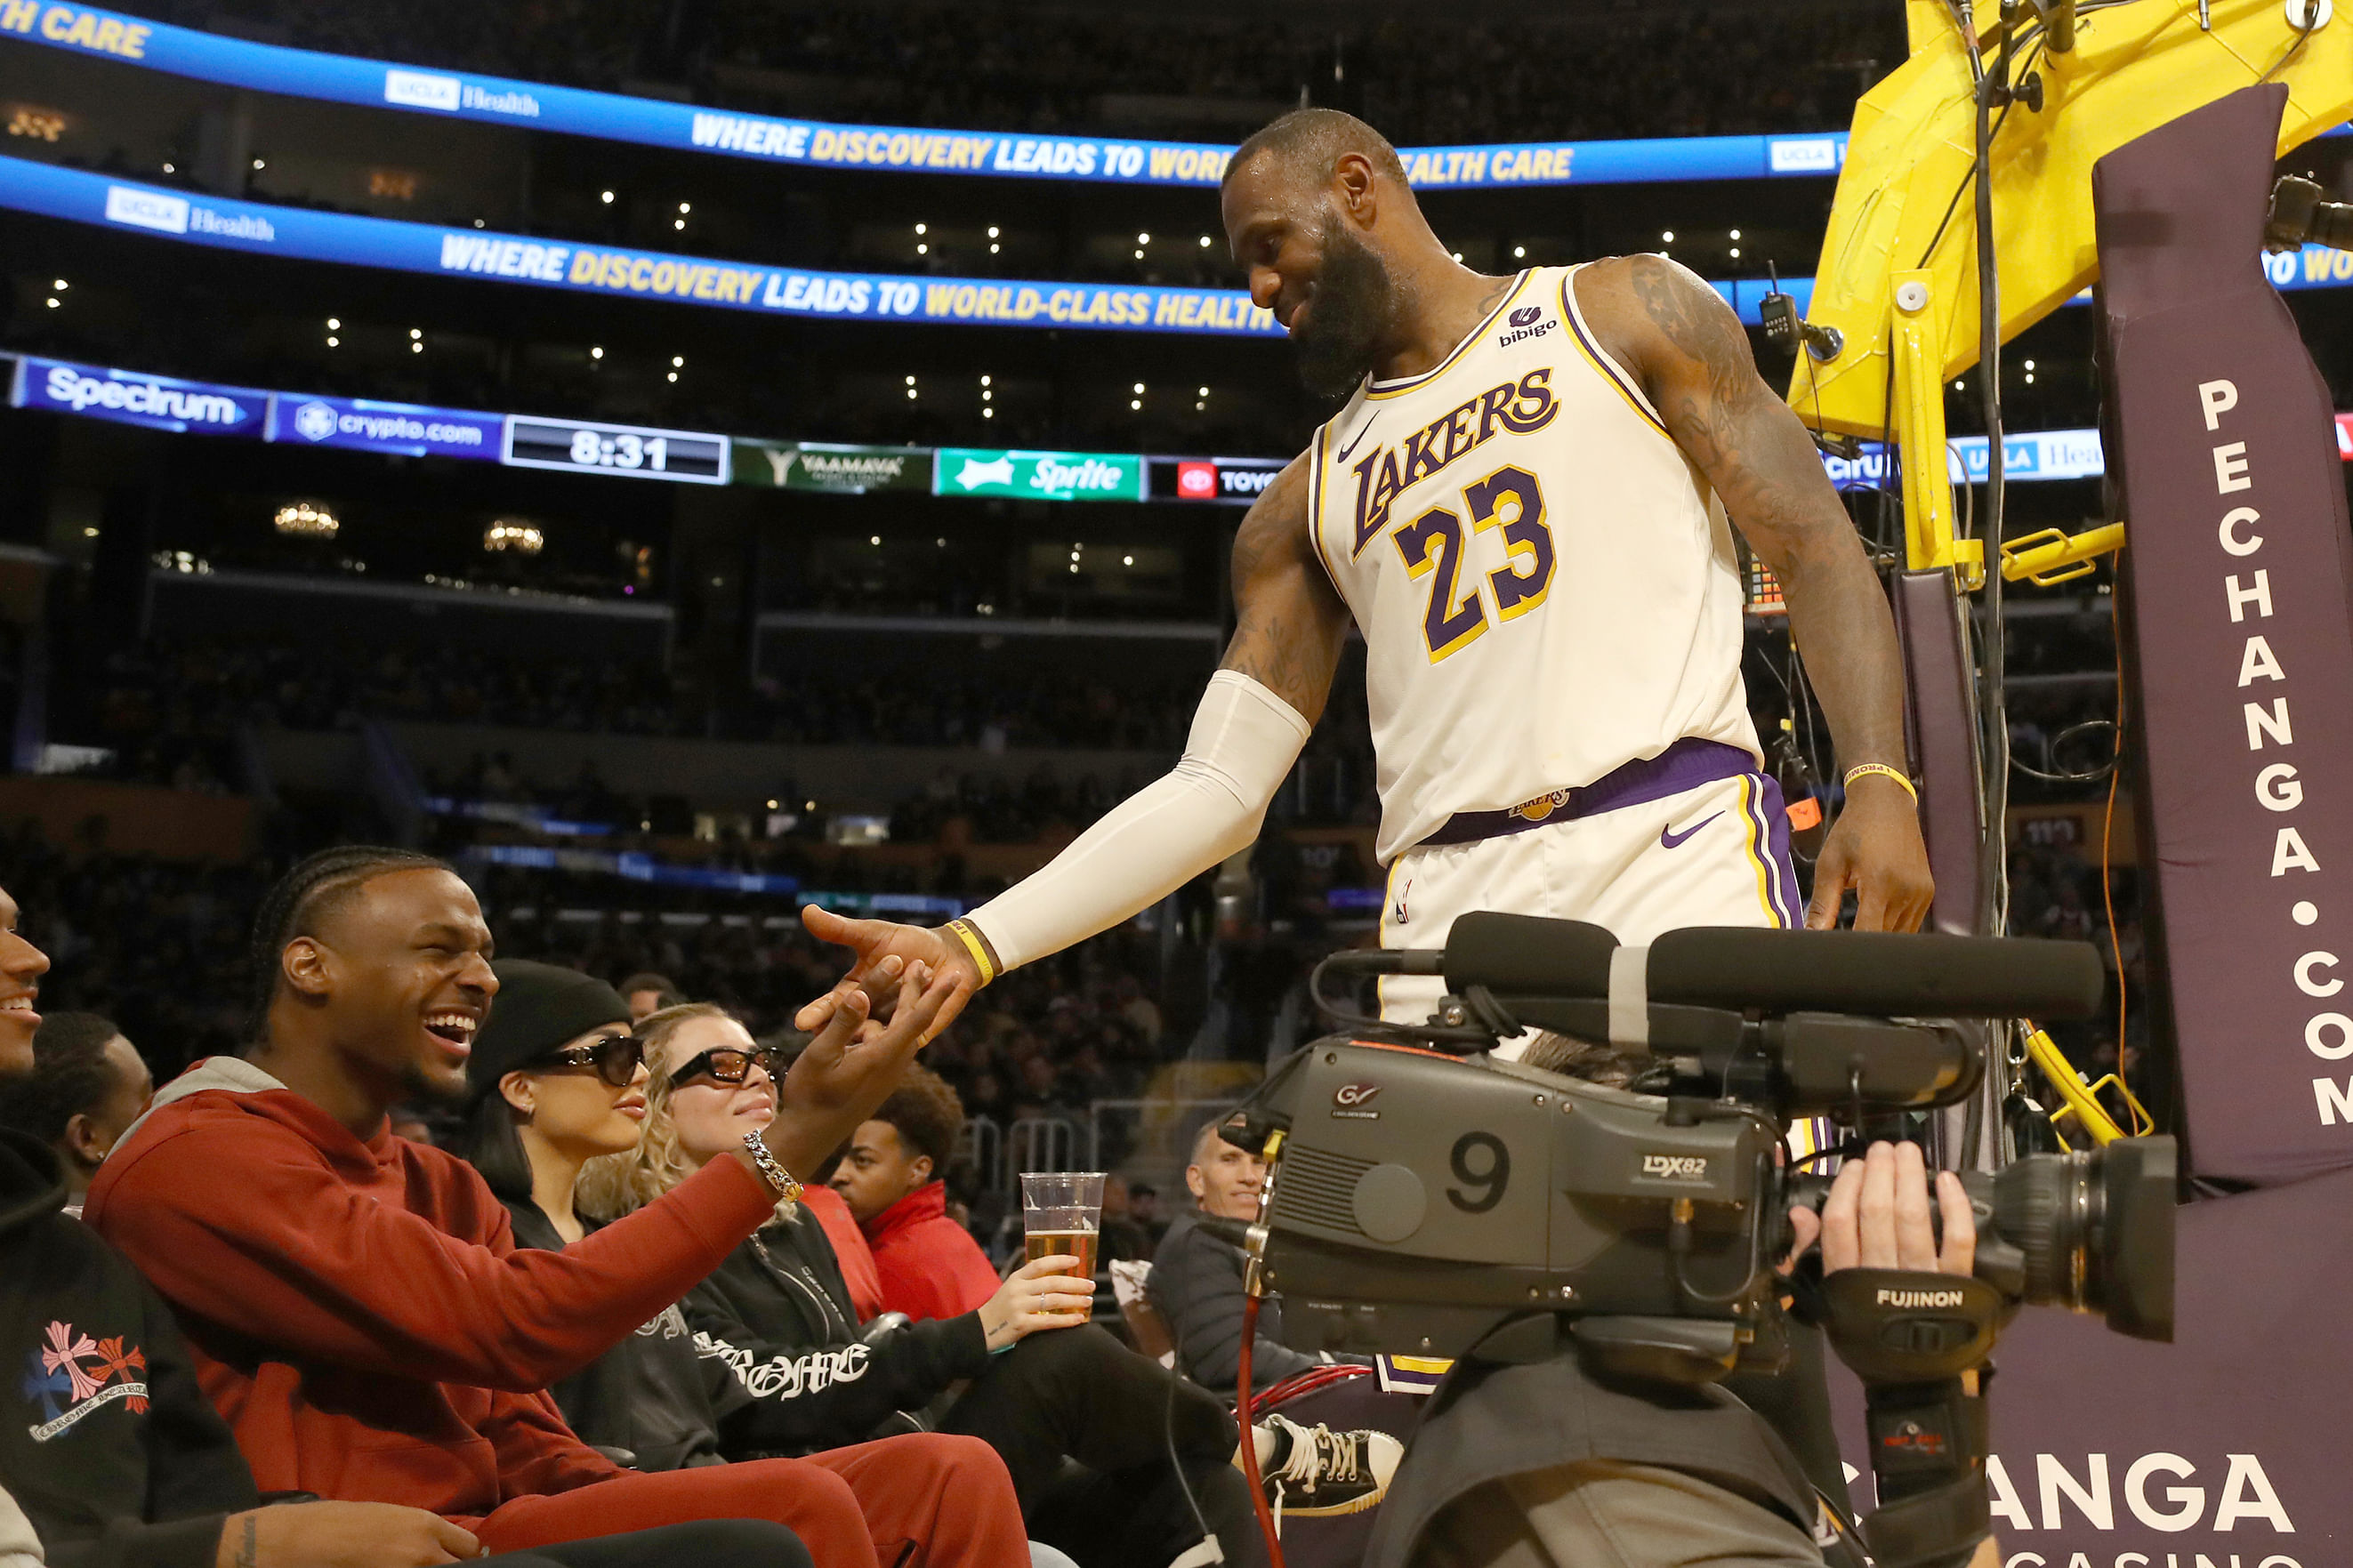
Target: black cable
{"x": 2303, "y": 36}
{"x": 1993, "y": 855}
{"x": 2093, "y": 775}
{"x": 2034, "y": 53}
{"x": 1168, "y": 1431}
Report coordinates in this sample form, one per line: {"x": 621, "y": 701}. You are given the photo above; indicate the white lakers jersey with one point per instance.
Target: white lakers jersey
{"x": 1547, "y": 586}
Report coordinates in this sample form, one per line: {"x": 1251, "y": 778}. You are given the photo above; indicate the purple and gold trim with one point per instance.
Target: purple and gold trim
{"x": 1315, "y": 502}
{"x": 1379, "y": 389}
{"x": 1601, "y": 360}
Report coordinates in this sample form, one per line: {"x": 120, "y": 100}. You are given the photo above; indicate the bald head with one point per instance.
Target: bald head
{"x": 1311, "y": 142}
{"x": 1318, "y": 212}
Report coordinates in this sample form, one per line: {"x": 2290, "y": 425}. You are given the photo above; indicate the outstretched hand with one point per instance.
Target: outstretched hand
{"x": 1874, "y": 848}
{"x": 854, "y": 1063}
{"x": 876, "y": 943}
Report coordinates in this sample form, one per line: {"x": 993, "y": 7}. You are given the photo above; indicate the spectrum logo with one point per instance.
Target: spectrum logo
{"x": 1197, "y": 482}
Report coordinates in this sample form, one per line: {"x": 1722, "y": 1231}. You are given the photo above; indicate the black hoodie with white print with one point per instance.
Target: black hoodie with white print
{"x": 110, "y": 1449}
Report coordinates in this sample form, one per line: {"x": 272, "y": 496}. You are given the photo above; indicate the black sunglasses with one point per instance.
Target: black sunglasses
{"x": 730, "y": 1066}
{"x": 615, "y": 1057}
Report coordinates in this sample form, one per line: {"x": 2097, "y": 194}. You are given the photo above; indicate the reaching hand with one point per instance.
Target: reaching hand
{"x": 1040, "y": 1295}
{"x": 876, "y": 942}
{"x": 342, "y": 1535}
{"x": 1874, "y": 848}
{"x": 851, "y": 1068}
{"x": 1877, "y": 1216}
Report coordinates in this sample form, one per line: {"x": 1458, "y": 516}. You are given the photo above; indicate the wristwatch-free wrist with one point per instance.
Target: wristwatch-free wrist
{"x": 772, "y": 1170}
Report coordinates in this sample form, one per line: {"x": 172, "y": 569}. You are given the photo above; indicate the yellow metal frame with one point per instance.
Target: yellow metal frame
{"x": 1907, "y": 308}
{"x": 2055, "y": 555}
{"x": 2081, "y": 1099}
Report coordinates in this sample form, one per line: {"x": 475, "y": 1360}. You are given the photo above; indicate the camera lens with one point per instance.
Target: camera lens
{"x": 2096, "y": 1231}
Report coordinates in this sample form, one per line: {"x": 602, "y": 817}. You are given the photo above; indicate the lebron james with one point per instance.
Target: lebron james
{"x": 1525, "y": 506}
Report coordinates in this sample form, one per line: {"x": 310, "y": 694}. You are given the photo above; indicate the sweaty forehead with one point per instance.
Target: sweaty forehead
{"x": 1271, "y": 187}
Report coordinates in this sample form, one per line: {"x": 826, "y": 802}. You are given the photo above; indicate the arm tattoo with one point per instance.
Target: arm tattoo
{"x": 1715, "y": 415}
{"x": 1758, "y": 456}
{"x": 245, "y": 1548}
{"x": 1287, "y": 617}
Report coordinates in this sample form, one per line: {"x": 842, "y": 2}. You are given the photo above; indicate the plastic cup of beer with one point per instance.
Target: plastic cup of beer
{"x": 1061, "y": 1211}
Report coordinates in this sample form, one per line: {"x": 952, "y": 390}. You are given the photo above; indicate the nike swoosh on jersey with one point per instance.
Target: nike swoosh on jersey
{"x": 1669, "y": 837}
{"x": 1342, "y": 455}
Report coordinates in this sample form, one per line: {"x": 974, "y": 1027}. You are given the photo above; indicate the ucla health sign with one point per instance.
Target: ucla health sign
{"x": 402, "y": 429}
{"x": 2028, "y": 456}
{"x": 129, "y": 397}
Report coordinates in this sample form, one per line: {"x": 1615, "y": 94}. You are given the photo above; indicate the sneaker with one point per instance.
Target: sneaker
{"x": 1314, "y": 1471}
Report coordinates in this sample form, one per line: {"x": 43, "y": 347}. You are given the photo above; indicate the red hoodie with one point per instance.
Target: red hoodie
{"x": 358, "y": 1309}
{"x": 931, "y": 1267}
{"x": 850, "y": 1250}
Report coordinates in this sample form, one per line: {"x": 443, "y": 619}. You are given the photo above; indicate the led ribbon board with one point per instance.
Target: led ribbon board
{"x": 653, "y": 122}
{"x": 356, "y": 424}
{"x": 299, "y": 232}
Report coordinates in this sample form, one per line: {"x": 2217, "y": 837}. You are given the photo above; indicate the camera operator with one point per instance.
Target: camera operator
{"x": 1548, "y": 1463}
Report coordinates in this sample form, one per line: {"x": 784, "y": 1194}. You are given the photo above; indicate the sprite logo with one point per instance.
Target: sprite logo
{"x": 1038, "y": 475}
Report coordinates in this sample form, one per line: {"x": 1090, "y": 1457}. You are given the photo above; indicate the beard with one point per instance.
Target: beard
{"x": 1354, "y": 308}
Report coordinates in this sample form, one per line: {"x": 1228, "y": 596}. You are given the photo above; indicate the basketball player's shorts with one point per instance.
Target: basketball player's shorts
{"x": 1693, "y": 836}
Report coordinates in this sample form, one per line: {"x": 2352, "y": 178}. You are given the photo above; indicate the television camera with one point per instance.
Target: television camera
{"x": 1424, "y": 1196}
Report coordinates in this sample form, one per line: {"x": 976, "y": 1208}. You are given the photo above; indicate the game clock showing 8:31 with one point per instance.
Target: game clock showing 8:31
{"x": 688, "y": 457}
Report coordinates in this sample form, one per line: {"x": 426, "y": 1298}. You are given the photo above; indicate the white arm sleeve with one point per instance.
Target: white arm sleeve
{"x": 1244, "y": 740}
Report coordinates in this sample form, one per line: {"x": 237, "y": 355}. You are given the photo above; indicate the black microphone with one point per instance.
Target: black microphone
{"x": 1528, "y": 955}
{"x": 1880, "y": 973}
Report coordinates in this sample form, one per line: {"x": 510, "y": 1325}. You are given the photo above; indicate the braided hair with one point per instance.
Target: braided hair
{"x": 298, "y": 903}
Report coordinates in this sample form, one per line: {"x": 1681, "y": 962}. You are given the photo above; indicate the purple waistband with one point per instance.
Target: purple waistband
{"x": 1686, "y": 764}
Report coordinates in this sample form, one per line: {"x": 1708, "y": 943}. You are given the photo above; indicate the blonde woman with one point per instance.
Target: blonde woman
{"x": 1040, "y": 1383}
{"x": 554, "y": 1079}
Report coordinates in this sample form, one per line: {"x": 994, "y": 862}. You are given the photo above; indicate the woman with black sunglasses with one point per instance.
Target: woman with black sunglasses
{"x": 557, "y": 1078}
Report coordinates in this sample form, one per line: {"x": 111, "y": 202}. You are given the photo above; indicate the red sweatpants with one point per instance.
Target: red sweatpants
{"x": 949, "y": 1498}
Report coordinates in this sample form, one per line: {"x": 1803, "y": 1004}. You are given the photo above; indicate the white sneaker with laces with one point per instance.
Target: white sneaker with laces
{"x": 1314, "y": 1471}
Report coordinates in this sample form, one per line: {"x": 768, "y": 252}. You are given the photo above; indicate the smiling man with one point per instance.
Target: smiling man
{"x": 355, "y": 1302}
{"x": 1527, "y": 503}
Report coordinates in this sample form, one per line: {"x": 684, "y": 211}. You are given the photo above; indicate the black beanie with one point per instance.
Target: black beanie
{"x": 539, "y": 1007}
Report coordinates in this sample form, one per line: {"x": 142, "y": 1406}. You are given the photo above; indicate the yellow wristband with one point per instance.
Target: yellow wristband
{"x": 965, "y": 935}
{"x": 1861, "y": 768}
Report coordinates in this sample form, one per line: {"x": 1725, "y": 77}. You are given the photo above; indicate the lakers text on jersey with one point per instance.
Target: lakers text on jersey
{"x": 1547, "y": 587}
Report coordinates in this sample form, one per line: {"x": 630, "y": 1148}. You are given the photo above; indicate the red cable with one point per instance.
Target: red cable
{"x": 1249, "y": 1437}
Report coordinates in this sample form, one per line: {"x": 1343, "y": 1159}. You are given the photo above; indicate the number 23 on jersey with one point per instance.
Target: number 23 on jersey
{"x": 1434, "y": 545}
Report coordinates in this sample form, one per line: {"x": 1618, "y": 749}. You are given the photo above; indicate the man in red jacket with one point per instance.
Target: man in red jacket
{"x": 355, "y": 1304}
{"x": 929, "y": 1264}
